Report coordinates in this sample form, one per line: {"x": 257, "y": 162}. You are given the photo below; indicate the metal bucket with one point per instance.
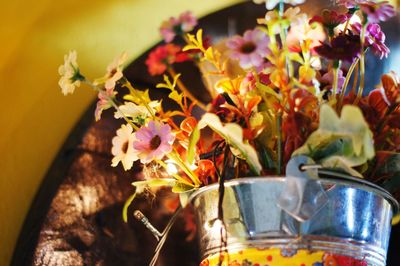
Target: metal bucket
{"x": 355, "y": 222}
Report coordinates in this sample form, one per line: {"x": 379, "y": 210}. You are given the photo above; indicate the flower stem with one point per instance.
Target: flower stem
{"x": 346, "y": 82}
{"x": 132, "y": 90}
{"x": 279, "y": 148}
{"x": 362, "y": 66}
{"x": 111, "y": 100}
{"x": 183, "y": 89}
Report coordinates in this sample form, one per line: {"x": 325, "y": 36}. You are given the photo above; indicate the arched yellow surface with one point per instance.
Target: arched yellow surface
{"x": 35, "y": 118}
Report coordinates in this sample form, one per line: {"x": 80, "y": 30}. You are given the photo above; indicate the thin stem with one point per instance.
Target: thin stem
{"x": 355, "y": 81}
{"x": 111, "y": 100}
{"x": 336, "y": 67}
{"x": 133, "y": 91}
{"x": 183, "y": 89}
{"x": 362, "y": 66}
{"x": 346, "y": 82}
{"x": 279, "y": 148}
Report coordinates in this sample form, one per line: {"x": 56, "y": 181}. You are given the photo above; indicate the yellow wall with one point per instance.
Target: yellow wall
{"x": 35, "y": 118}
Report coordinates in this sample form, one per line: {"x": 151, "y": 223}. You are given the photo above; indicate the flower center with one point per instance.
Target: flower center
{"x": 155, "y": 142}
{"x": 248, "y": 48}
{"x": 125, "y": 147}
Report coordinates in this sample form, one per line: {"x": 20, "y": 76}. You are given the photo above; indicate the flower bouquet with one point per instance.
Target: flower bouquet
{"x": 287, "y": 100}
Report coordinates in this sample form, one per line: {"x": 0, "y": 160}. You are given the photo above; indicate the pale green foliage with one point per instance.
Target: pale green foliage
{"x": 344, "y": 142}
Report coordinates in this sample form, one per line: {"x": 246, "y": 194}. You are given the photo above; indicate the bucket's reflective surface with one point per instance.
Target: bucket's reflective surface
{"x": 355, "y": 222}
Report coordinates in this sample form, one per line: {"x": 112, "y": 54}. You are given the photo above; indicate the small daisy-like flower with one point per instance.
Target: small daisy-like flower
{"x": 122, "y": 148}
{"x": 114, "y": 73}
{"x": 270, "y": 4}
{"x": 250, "y": 49}
{"x": 177, "y": 26}
{"x": 153, "y": 142}
{"x": 342, "y": 47}
{"x": 313, "y": 35}
{"x": 160, "y": 58}
{"x": 377, "y": 12}
{"x": 138, "y": 112}
{"x": 104, "y": 102}
{"x": 374, "y": 38}
{"x": 70, "y": 75}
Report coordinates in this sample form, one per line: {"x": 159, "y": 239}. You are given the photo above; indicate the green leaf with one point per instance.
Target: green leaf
{"x": 127, "y": 203}
{"x": 193, "y": 139}
{"x": 344, "y": 142}
{"x": 233, "y": 135}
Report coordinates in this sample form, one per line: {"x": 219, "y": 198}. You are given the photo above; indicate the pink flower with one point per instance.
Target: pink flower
{"x": 104, "y": 102}
{"x": 177, "y": 26}
{"x": 153, "y": 142}
{"x": 330, "y": 19}
{"x": 375, "y": 12}
{"x": 250, "y": 49}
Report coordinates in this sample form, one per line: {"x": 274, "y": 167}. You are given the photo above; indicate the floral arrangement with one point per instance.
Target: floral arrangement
{"x": 293, "y": 85}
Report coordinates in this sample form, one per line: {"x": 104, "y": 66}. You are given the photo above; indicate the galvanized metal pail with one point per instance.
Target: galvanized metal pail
{"x": 353, "y": 226}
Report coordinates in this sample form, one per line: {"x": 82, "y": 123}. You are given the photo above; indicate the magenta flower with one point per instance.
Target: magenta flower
{"x": 250, "y": 49}
{"x": 177, "y": 26}
{"x": 342, "y": 47}
{"x": 374, "y": 38}
{"x": 153, "y": 142}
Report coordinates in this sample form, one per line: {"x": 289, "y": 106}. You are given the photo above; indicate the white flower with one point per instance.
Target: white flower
{"x": 291, "y": 17}
{"x": 122, "y": 148}
{"x": 270, "y": 4}
{"x": 70, "y": 75}
{"x": 114, "y": 73}
{"x": 137, "y": 112}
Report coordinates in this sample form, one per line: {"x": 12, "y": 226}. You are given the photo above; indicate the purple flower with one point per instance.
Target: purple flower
{"x": 377, "y": 12}
{"x": 343, "y": 47}
{"x": 153, "y": 142}
{"x": 374, "y": 38}
{"x": 374, "y": 12}
{"x": 328, "y": 78}
{"x": 250, "y": 49}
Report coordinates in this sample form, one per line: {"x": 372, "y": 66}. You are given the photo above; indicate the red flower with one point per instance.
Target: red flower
{"x": 330, "y": 19}
{"x": 164, "y": 56}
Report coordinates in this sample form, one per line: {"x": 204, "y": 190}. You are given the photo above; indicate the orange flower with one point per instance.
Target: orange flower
{"x": 164, "y": 56}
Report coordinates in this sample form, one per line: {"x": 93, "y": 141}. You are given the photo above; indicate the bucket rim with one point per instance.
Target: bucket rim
{"x": 341, "y": 179}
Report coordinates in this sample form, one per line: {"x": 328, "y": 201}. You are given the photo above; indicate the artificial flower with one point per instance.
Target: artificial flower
{"x": 305, "y": 34}
{"x": 270, "y": 4}
{"x": 70, "y": 75}
{"x": 139, "y": 113}
{"x": 153, "y": 141}
{"x": 114, "y": 73}
{"x": 343, "y": 47}
{"x": 391, "y": 86}
{"x": 330, "y": 19}
{"x": 376, "y": 12}
{"x": 328, "y": 77}
{"x": 177, "y": 26}
{"x": 163, "y": 56}
{"x": 250, "y": 49}
{"x": 374, "y": 38}
{"x": 291, "y": 17}
{"x": 122, "y": 148}
{"x": 104, "y": 102}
